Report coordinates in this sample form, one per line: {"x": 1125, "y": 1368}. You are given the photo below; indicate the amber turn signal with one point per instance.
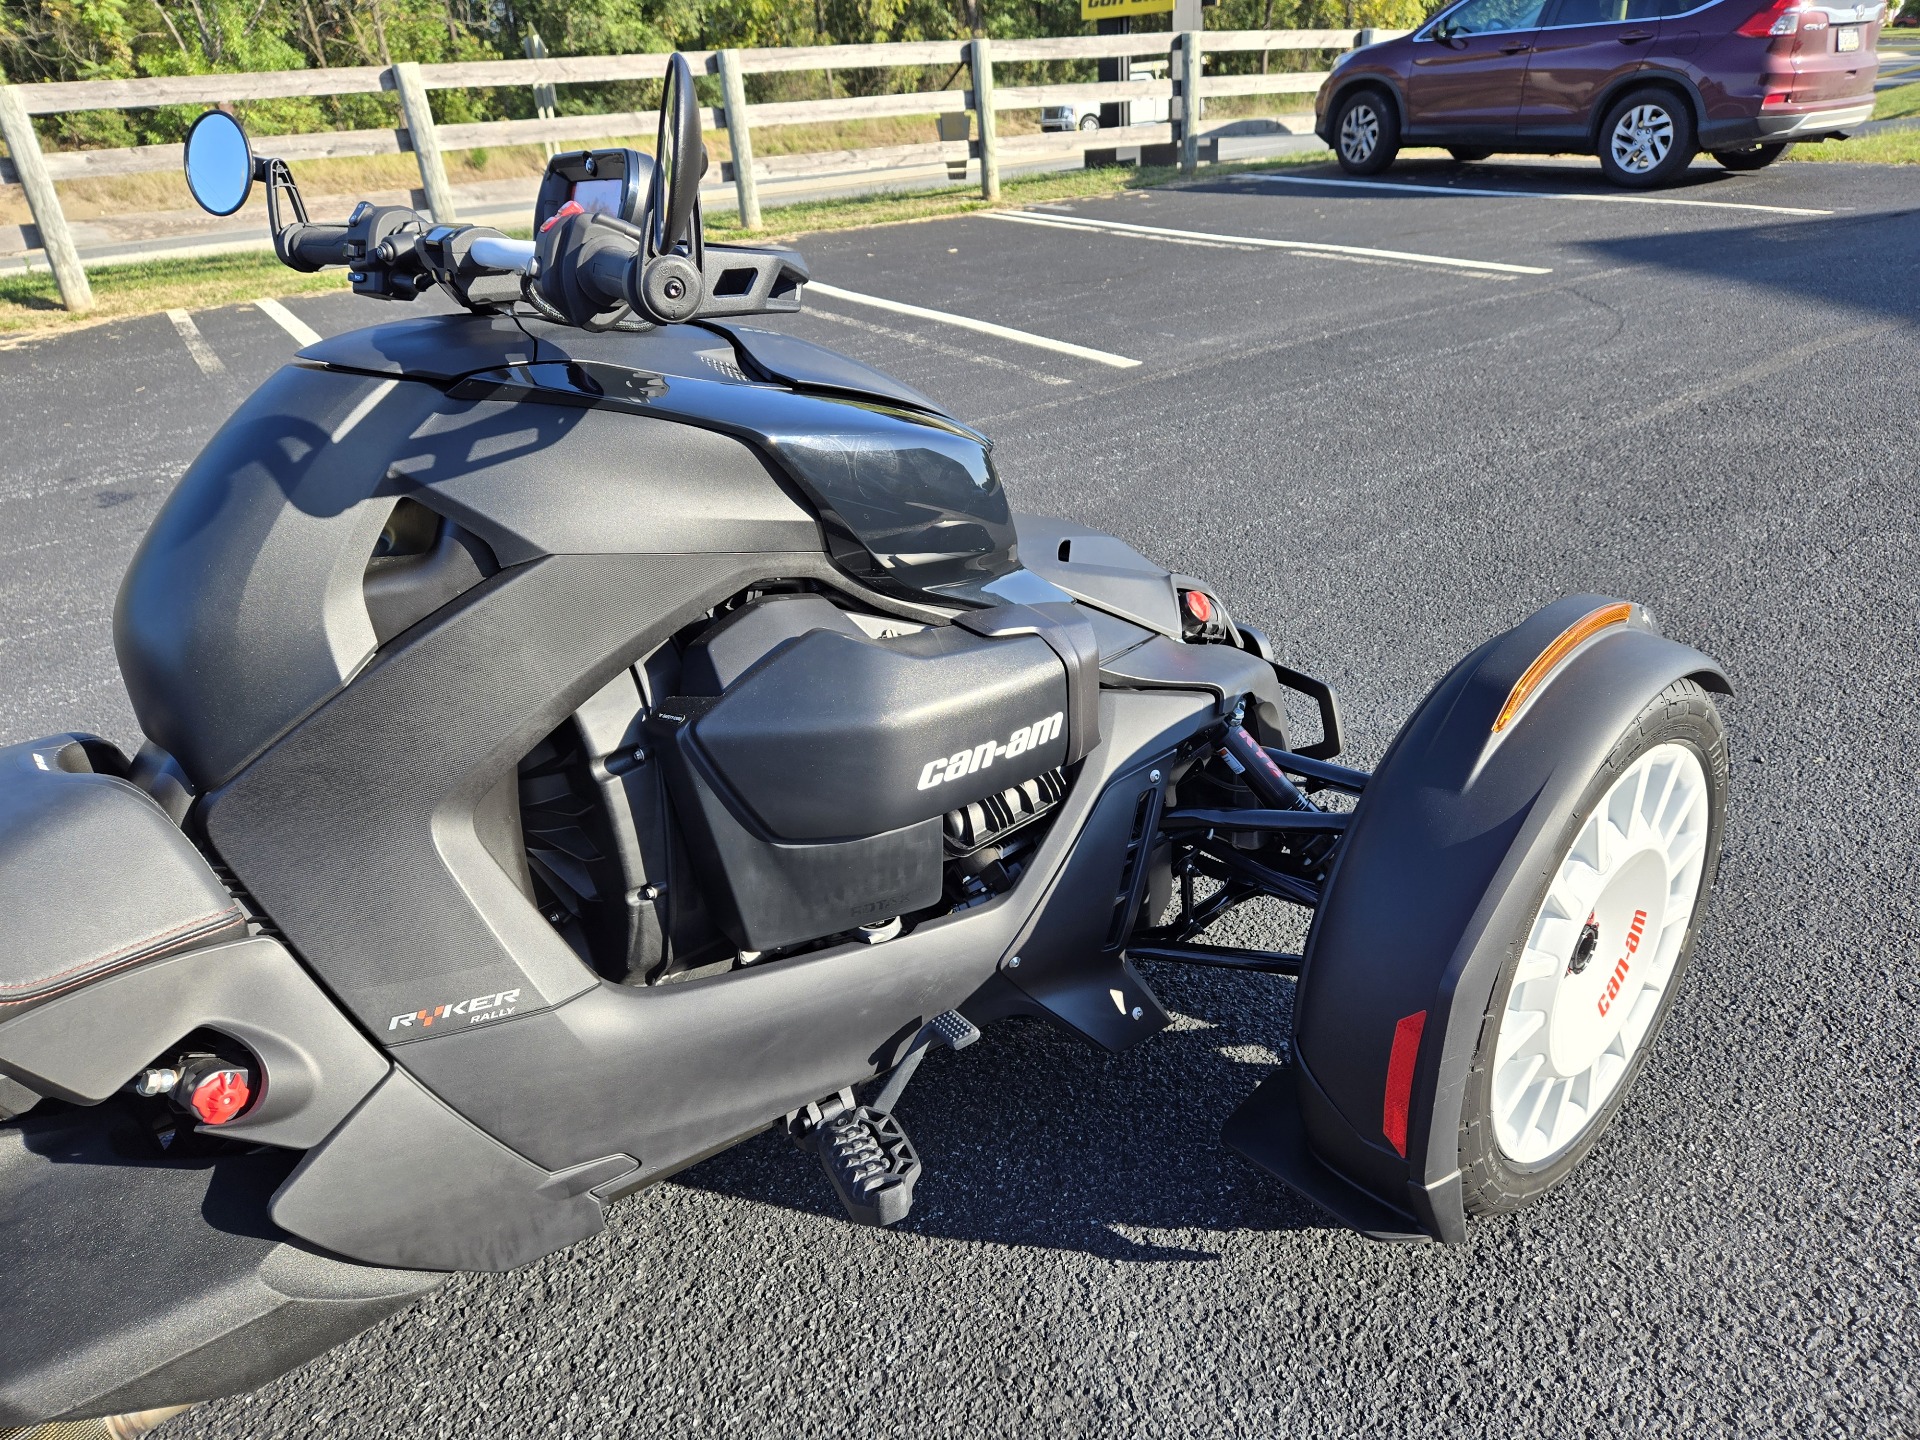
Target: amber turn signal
{"x": 1564, "y": 644}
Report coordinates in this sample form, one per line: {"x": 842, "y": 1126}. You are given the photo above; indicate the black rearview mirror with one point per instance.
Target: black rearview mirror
{"x": 680, "y": 160}
{"x": 219, "y": 163}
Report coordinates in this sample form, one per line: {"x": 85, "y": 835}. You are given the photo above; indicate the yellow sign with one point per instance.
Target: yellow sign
{"x": 1109, "y": 9}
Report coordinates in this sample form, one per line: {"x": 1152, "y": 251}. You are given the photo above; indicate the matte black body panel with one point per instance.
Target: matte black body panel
{"x": 244, "y": 606}
{"x": 836, "y": 737}
{"x": 129, "y": 1287}
{"x": 657, "y": 1073}
{"x": 407, "y": 1182}
{"x": 1461, "y": 828}
{"x": 86, "y": 1045}
{"x": 357, "y": 832}
{"x": 735, "y": 643}
{"x": 766, "y": 894}
{"x": 1108, "y": 574}
{"x": 95, "y": 879}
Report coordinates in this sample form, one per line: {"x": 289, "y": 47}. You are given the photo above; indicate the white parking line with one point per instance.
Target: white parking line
{"x": 302, "y": 332}
{"x": 983, "y": 327}
{"x": 196, "y": 344}
{"x": 1117, "y": 227}
{"x": 1523, "y": 194}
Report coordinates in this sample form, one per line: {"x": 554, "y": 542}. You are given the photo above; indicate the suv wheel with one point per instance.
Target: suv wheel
{"x": 1752, "y": 157}
{"x": 1089, "y": 122}
{"x": 1647, "y": 138}
{"x": 1366, "y": 133}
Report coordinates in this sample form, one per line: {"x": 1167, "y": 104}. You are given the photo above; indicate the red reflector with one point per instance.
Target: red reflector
{"x": 1779, "y": 99}
{"x": 220, "y": 1097}
{"x": 1198, "y": 606}
{"x": 1406, "y": 1049}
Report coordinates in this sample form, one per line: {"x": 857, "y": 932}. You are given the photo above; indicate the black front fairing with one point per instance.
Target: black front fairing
{"x": 908, "y": 496}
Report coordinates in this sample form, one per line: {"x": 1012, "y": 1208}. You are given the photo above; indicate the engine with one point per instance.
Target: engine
{"x": 793, "y": 772}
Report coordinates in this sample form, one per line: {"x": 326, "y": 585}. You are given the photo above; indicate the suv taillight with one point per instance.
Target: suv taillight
{"x": 1781, "y": 17}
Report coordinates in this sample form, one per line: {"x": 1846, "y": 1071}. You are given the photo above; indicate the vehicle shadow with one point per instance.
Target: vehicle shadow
{"x": 1033, "y": 1137}
{"x": 1566, "y": 175}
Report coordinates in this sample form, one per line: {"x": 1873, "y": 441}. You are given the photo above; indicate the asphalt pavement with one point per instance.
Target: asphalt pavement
{"x": 1704, "y": 400}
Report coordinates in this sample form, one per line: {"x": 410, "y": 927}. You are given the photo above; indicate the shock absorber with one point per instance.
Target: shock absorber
{"x": 1263, "y": 777}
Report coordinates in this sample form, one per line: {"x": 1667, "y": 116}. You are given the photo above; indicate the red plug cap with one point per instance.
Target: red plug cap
{"x": 220, "y": 1096}
{"x": 1198, "y": 605}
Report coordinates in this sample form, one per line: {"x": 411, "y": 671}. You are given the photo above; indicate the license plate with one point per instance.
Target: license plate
{"x": 1845, "y": 38}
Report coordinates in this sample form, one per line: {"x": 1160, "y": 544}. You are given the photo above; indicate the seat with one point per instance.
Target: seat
{"x": 95, "y": 879}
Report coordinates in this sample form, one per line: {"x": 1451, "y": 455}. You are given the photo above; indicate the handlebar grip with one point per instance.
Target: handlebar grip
{"x": 603, "y": 274}
{"x": 311, "y": 247}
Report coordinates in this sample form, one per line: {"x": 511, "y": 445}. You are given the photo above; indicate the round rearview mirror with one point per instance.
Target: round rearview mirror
{"x": 219, "y": 163}
{"x": 680, "y": 160}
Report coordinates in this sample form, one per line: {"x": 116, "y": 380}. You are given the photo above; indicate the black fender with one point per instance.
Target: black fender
{"x": 1451, "y": 844}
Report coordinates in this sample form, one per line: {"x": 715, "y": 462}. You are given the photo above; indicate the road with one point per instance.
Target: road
{"x": 1704, "y": 401}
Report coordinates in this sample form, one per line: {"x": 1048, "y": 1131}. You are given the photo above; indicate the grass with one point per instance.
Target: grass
{"x": 1898, "y": 147}
{"x": 30, "y": 305}
{"x": 1899, "y": 103}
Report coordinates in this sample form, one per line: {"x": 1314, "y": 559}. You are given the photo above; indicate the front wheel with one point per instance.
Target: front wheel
{"x": 1587, "y": 987}
{"x": 1752, "y": 157}
{"x": 1646, "y": 138}
{"x": 1366, "y": 133}
{"x": 1089, "y": 122}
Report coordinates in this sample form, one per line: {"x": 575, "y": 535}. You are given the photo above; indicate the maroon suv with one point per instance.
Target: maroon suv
{"x": 1643, "y": 84}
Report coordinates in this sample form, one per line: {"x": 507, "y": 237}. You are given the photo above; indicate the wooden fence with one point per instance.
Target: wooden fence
{"x": 36, "y": 171}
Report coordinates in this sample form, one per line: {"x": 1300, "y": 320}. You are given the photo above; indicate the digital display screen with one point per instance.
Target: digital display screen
{"x": 600, "y": 195}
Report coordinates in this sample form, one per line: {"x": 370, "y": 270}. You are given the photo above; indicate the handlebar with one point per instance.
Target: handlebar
{"x": 508, "y": 256}
{"x": 310, "y": 247}
{"x": 591, "y": 269}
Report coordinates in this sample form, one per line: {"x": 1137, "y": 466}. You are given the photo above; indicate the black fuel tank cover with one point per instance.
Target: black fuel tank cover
{"x": 808, "y": 366}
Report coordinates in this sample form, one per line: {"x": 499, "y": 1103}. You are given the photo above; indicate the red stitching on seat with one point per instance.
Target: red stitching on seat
{"x": 117, "y": 959}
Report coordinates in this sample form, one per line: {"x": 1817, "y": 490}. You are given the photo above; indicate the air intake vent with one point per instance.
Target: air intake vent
{"x": 1146, "y": 818}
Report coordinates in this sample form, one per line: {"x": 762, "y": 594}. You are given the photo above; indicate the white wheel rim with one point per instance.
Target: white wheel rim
{"x": 1600, "y": 956}
{"x": 1641, "y": 138}
{"x": 1359, "y": 133}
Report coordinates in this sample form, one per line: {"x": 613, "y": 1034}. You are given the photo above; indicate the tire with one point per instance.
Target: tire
{"x": 1646, "y": 138}
{"x": 1089, "y": 122}
{"x": 1601, "y": 990}
{"x": 1468, "y": 154}
{"x": 1366, "y": 133}
{"x": 1752, "y": 157}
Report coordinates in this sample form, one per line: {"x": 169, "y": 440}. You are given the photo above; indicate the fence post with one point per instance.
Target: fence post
{"x": 426, "y": 142}
{"x": 1189, "y": 102}
{"x": 48, "y": 218}
{"x": 545, "y": 106}
{"x": 981, "y": 59}
{"x": 733, "y": 93}
{"x": 1362, "y": 39}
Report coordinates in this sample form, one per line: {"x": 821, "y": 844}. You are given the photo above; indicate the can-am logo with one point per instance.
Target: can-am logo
{"x": 481, "y": 1007}
{"x": 965, "y": 762}
{"x": 1625, "y": 962}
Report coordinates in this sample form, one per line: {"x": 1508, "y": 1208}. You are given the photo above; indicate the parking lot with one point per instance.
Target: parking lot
{"x": 1388, "y": 419}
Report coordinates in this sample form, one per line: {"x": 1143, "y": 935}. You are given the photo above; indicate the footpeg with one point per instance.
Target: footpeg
{"x": 871, "y": 1164}
{"x": 864, "y": 1150}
